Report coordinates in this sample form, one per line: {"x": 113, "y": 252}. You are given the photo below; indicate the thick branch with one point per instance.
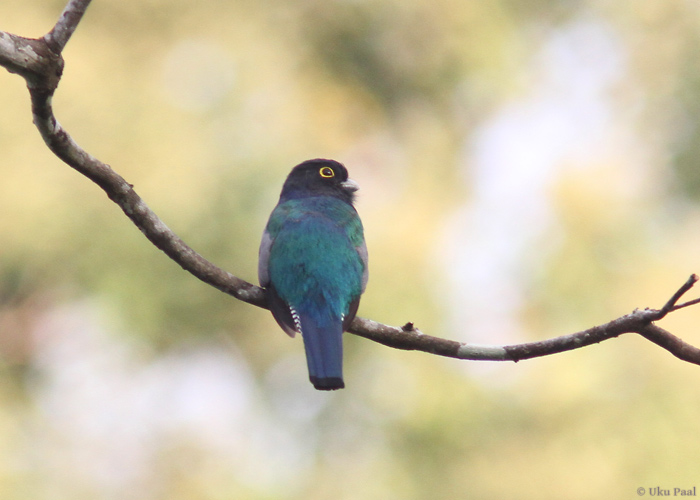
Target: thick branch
{"x": 39, "y": 61}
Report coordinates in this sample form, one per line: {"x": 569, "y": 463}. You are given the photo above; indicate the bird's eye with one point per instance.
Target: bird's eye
{"x": 326, "y": 172}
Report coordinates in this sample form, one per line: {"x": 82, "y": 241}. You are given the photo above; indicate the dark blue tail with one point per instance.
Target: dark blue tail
{"x": 323, "y": 342}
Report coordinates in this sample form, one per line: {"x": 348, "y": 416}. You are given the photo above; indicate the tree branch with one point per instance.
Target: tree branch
{"x": 40, "y": 63}
{"x": 59, "y": 35}
{"x": 31, "y": 59}
{"x": 639, "y": 321}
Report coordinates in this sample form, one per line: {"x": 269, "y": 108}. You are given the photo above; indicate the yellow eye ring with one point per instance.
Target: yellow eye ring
{"x": 326, "y": 172}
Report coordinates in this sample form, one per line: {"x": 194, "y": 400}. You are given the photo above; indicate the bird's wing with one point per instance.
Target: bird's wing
{"x": 364, "y": 256}
{"x": 264, "y": 259}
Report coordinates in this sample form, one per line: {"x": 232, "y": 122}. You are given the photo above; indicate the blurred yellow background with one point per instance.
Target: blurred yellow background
{"x": 528, "y": 169}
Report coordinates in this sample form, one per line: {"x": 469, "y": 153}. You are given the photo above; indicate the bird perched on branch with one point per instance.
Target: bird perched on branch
{"x": 313, "y": 264}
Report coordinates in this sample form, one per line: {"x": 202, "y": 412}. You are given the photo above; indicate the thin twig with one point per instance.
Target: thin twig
{"x": 669, "y": 306}
{"x": 686, "y": 304}
{"x": 59, "y": 35}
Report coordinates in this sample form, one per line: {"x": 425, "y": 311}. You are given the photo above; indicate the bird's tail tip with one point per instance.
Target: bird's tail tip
{"x": 327, "y": 383}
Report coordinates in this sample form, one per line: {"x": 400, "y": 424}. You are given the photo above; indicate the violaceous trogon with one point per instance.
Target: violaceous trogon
{"x": 313, "y": 264}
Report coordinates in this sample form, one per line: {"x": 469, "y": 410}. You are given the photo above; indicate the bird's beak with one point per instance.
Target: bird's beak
{"x": 350, "y": 185}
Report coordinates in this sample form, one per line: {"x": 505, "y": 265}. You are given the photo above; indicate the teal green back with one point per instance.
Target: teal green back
{"x": 314, "y": 262}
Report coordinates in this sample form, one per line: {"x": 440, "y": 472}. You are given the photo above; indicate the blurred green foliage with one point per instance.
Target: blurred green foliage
{"x": 121, "y": 376}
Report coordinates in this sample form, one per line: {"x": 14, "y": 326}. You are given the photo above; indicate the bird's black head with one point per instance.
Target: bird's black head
{"x": 319, "y": 177}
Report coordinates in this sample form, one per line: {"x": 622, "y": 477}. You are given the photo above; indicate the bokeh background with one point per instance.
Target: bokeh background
{"x": 528, "y": 169}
